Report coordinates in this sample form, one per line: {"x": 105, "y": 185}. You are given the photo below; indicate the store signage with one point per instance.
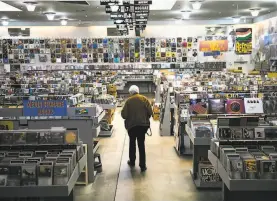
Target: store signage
{"x": 214, "y": 45}
{"x": 45, "y": 108}
{"x": 141, "y": 26}
{"x": 143, "y": 2}
{"x": 121, "y": 27}
{"x": 208, "y": 54}
{"x": 108, "y": 2}
{"x": 243, "y": 41}
{"x": 108, "y": 9}
{"x": 141, "y": 9}
{"x": 117, "y": 15}
{"x": 142, "y": 20}
{"x": 139, "y": 15}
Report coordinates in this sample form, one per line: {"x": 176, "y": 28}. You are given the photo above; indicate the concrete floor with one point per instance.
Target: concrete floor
{"x": 167, "y": 177}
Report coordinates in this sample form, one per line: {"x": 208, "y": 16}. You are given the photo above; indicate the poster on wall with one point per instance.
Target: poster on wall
{"x": 244, "y": 41}
{"x": 213, "y": 46}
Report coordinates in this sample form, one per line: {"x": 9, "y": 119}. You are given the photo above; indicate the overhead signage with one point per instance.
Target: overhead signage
{"x": 141, "y": 26}
{"x": 243, "y": 41}
{"x": 139, "y": 15}
{"x": 142, "y": 20}
{"x": 141, "y": 9}
{"x": 121, "y": 27}
{"x": 108, "y": 2}
{"x": 44, "y": 108}
{"x": 213, "y": 46}
{"x": 108, "y": 9}
{"x": 121, "y": 16}
{"x": 143, "y": 2}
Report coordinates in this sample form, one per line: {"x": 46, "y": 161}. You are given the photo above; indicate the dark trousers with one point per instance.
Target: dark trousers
{"x": 137, "y": 133}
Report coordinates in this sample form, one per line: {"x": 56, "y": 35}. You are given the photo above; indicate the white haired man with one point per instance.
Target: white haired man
{"x": 137, "y": 112}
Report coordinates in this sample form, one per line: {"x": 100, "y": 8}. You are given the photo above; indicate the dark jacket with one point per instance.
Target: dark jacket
{"x": 137, "y": 112}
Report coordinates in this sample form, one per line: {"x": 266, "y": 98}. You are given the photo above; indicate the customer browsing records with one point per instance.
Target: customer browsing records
{"x": 137, "y": 112}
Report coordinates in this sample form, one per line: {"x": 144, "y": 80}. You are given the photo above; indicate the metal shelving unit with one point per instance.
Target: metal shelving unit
{"x": 62, "y": 192}
{"x": 244, "y": 189}
{"x": 200, "y": 149}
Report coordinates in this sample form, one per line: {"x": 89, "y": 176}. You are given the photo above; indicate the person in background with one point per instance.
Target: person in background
{"x": 137, "y": 112}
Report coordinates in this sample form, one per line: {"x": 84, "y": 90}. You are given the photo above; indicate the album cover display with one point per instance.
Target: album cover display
{"x": 235, "y": 106}
{"x": 71, "y": 136}
{"x": 250, "y": 168}
{"x": 45, "y": 137}
{"x": 259, "y": 133}
{"x": 248, "y": 133}
{"x": 225, "y": 133}
{"x": 45, "y": 173}
{"x": 19, "y": 138}
{"x": 216, "y": 106}
{"x": 14, "y": 177}
{"x": 103, "y": 50}
{"x": 267, "y": 169}
{"x": 236, "y": 133}
{"x": 235, "y": 168}
{"x": 29, "y": 173}
{"x": 207, "y": 173}
{"x": 32, "y": 138}
{"x": 198, "y": 106}
{"x": 61, "y": 173}
{"x": 253, "y": 106}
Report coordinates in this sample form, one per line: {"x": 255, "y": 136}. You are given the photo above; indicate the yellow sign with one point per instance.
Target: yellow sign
{"x": 243, "y": 47}
{"x": 214, "y": 45}
{"x": 272, "y": 75}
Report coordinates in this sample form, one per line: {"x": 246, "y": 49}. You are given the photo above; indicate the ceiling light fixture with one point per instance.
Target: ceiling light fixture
{"x": 31, "y": 5}
{"x": 5, "y": 22}
{"x": 212, "y": 29}
{"x": 196, "y": 5}
{"x": 186, "y": 14}
{"x": 50, "y": 15}
{"x": 114, "y": 8}
{"x": 255, "y": 12}
{"x": 63, "y": 22}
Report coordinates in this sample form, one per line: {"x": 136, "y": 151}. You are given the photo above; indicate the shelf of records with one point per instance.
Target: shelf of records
{"x": 29, "y": 158}
{"x": 101, "y": 50}
{"x": 244, "y": 167}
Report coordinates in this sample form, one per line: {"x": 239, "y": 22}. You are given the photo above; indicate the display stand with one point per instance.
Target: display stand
{"x": 166, "y": 126}
{"x": 88, "y": 130}
{"x": 200, "y": 149}
{"x": 244, "y": 189}
{"x": 63, "y": 193}
{"x": 110, "y": 110}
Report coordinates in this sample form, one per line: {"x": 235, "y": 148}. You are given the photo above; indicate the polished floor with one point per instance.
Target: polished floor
{"x": 167, "y": 177}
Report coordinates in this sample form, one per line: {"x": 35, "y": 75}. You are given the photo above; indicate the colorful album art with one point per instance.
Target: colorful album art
{"x": 215, "y": 45}
{"x": 216, "y": 106}
{"x": 198, "y": 106}
{"x": 235, "y": 106}
{"x": 244, "y": 41}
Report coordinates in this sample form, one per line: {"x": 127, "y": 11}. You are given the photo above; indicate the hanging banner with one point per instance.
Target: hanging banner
{"x": 244, "y": 41}
{"x": 45, "y": 108}
{"x": 213, "y": 46}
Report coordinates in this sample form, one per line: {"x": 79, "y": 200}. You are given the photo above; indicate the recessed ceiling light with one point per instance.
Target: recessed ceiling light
{"x": 7, "y": 7}
{"x": 162, "y": 4}
{"x": 64, "y": 22}
{"x": 255, "y": 12}
{"x": 50, "y": 15}
{"x": 5, "y": 22}
{"x": 186, "y": 14}
{"x": 30, "y": 5}
{"x": 196, "y": 5}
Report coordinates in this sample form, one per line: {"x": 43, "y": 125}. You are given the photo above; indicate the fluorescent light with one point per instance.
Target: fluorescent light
{"x": 7, "y": 7}
{"x": 212, "y": 29}
{"x": 50, "y": 15}
{"x": 186, "y": 14}
{"x": 30, "y": 5}
{"x": 162, "y": 4}
{"x": 5, "y": 22}
{"x": 114, "y": 8}
{"x": 255, "y": 12}
{"x": 64, "y": 22}
{"x": 196, "y": 5}
{"x": 236, "y": 19}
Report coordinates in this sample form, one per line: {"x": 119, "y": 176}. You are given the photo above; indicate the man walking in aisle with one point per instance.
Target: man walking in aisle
{"x": 137, "y": 112}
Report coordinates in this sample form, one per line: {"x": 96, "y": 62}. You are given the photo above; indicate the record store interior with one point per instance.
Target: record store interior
{"x": 138, "y": 100}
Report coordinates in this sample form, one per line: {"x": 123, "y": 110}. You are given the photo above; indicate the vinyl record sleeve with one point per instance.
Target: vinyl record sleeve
{"x": 198, "y": 106}
{"x": 248, "y": 133}
{"x": 259, "y": 133}
{"x": 253, "y": 106}
{"x": 216, "y": 106}
{"x": 235, "y": 106}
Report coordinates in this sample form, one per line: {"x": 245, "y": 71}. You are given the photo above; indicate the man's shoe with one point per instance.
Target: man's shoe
{"x": 131, "y": 164}
{"x": 143, "y": 169}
